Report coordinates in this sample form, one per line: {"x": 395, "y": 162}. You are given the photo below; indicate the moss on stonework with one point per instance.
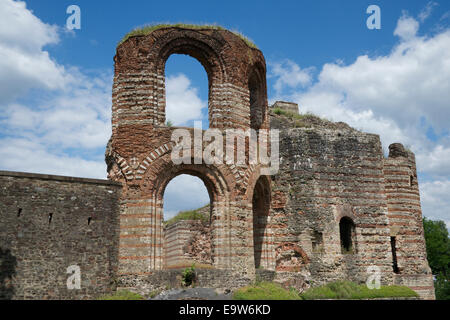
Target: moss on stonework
{"x": 188, "y": 215}
{"x": 147, "y": 29}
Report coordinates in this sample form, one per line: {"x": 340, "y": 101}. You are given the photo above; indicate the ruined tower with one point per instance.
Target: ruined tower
{"x": 139, "y": 152}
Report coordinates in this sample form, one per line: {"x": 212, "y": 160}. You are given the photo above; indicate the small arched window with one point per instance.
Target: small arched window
{"x": 347, "y": 233}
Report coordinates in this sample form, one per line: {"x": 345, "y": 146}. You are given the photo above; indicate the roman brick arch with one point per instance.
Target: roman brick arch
{"x": 258, "y": 99}
{"x": 231, "y": 66}
{"x": 197, "y": 48}
{"x": 139, "y": 152}
{"x": 218, "y": 191}
{"x": 262, "y": 244}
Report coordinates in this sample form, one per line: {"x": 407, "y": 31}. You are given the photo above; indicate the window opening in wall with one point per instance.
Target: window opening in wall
{"x": 347, "y": 234}
{"x": 19, "y": 212}
{"x": 394, "y": 255}
{"x": 187, "y": 223}
{"x": 317, "y": 241}
{"x": 261, "y": 205}
{"x": 186, "y": 92}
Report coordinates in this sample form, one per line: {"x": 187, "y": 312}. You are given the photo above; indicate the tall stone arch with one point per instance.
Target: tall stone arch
{"x": 139, "y": 151}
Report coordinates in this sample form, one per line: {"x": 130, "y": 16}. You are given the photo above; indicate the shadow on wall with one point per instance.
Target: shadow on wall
{"x": 8, "y": 264}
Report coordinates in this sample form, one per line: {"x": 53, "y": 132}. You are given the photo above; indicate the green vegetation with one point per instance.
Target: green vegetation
{"x": 154, "y": 293}
{"x": 438, "y": 253}
{"x": 169, "y": 123}
{"x": 122, "y": 295}
{"x": 265, "y": 291}
{"x": 147, "y": 29}
{"x": 188, "y": 276}
{"x": 349, "y": 290}
{"x": 300, "y": 120}
{"x": 188, "y": 215}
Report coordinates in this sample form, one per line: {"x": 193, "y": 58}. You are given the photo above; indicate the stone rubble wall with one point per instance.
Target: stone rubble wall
{"x": 49, "y": 223}
{"x": 187, "y": 242}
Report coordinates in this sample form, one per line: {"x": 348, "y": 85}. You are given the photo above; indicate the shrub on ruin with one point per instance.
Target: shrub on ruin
{"x": 188, "y": 276}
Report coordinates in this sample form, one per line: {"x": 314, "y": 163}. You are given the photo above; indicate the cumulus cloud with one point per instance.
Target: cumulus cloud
{"x": 184, "y": 192}
{"x": 407, "y": 27}
{"x": 290, "y": 75}
{"x": 183, "y": 103}
{"x": 435, "y": 200}
{"x": 399, "y": 96}
{"x": 63, "y": 129}
{"x": 66, "y": 134}
{"x": 25, "y": 155}
{"x": 78, "y": 117}
{"x": 24, "y": 64}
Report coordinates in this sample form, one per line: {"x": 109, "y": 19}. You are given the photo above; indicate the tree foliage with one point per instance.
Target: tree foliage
{"x": 438, "y": 246}
{"x": 438, "y": 252}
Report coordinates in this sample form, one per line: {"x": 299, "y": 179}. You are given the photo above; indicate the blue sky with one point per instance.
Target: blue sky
{"x": 55, "y": 84}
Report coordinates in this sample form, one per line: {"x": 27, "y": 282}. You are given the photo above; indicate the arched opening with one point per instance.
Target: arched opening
{"x": 394, "y": 255}
{"x": 187, "y": 223}
{"x": 187, "y": 91}
{"x": 347, "y": 234}
{"x": 256, "y": 92}
{"x": 261, "y": 206}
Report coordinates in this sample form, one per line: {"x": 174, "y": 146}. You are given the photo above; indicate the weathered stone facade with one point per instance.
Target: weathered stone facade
{"x": 187, "y": 242}
{"x": 336, "y": 207}
{"x": 139, "y": 152}
{"x": 49, "y": 223}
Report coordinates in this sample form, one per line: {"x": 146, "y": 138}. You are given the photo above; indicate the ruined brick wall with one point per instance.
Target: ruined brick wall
{"x": 405, "y": 221}
{"x": 328, "y": 172}
{"x": 139, "y": 152}
{"x": 49, "y": 223}
{"x": 187, "y": 242}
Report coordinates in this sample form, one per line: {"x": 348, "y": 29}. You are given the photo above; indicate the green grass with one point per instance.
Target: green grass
{"x": 122, "y": 295}
{"x": 265, "y": 291}
{"x": 147, "y": 29}
{"x": 300, "y": 120}
{"x": 349, "y": 290}
{"x": 188, "y": 215}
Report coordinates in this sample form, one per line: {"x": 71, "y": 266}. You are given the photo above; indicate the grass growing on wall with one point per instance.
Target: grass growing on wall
{"x": 265, "y": 291}
{"x": 147, "y": 29}
{"x": 349, "y": 290}
{"x": 188, "y": 215}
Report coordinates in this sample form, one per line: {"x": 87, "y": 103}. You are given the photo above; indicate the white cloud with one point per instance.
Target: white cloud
{"x": 183, "y": 103}
{"x": 23, "y": 62}
{"x": 407, "y": 27}
{"x": 388, "y": 95}
{"x": 435, "y": 200}
{"x": 289, "y": 74}
{"x": 398, "y": 96}
{"x": 426, "y": 12}
{"x": 435, "y": 162}
{"x": 21, "y": 154}
{"x": 184, "y": 192}
{"x": 63, "y": 128}
{"x": 78, "y": 117}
